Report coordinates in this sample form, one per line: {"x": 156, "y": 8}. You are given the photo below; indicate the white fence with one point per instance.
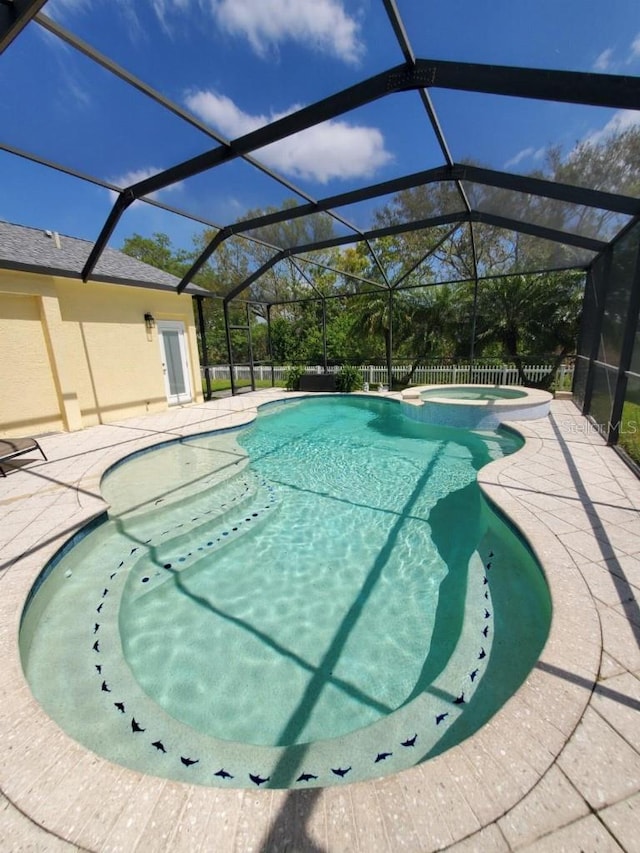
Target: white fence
{"x": 433, "y": 374}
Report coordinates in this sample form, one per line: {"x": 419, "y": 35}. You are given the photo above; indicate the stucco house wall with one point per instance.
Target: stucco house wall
{"x": 74, "y": 354}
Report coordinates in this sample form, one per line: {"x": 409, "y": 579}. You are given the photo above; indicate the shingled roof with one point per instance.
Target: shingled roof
{"x": 50, "y": 253}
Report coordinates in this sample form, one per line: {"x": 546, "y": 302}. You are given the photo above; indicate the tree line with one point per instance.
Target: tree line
{"x": 526, "y": 302}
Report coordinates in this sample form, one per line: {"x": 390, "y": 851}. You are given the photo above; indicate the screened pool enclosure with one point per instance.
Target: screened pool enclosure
{"x": 462, "y": 211}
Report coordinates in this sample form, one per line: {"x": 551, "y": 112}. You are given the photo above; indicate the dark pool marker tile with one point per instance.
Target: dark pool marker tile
{"x": 482, "y": 654}
{"x": 485, "y": 631}
{"x": 473, "y": 675}
{"x": 96, "y": 646}
{"x": 159, "y": 746}
{"x": 382, "y": 756}
{"x": 189, "y": 762}
{"x": 440, "y": 718}
{"x": 340, "y": 771}
{"x": 145, "y": 579}
{"x": 105, "y": 592}
{"x": 96, "y": 627}
{"x": 411, "y": 741}
{"x": 119, "y": 706}
{"x": 105, "y": 687}
{"x": 258, "y": 780}
{"x": 98, "y": 666}
{"x": 459, "y": 700}
{"x": 306, "y": 777}
{"x": 167, "y": 565}
{"x": 135, "y": 726}
{"x": 223, "y": 774}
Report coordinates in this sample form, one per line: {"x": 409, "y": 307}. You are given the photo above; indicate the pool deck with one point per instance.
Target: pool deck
{"x": 557, "y": 768}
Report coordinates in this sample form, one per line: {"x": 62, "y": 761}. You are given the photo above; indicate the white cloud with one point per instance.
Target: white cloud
{"x": 137, "y": 175}
{"x": 72, "y": 90}
{"x": 220, "y": 112}
{"x": 519, "y": 157}
{"x": 134, "y": 28}
{"x": 333, "y": 149}
{"x": 61, "y": 8}
{"x": 535, "y": 154}
{"x": 612, "y": 61}
{"x": 75, "y": 90}
{"x": 603, "y": 62}
{"x": 621, "y": 121}
{"x": 164, "y": 8}
{"x": 321, "y": 24}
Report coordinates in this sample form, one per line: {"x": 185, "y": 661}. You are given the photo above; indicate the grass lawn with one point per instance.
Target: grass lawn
{"x": 225, "y": 384}
{"x": 629, "y": 436}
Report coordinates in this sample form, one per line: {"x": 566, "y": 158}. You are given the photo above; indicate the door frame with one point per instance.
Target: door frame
{"x": 175, "y": 326}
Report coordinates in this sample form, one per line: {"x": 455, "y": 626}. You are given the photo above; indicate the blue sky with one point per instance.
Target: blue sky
{"x": 238, "y": 64}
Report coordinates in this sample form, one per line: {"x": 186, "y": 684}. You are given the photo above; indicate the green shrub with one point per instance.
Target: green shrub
{"x": 348, "y": 378}
{"x": 292, "y": 377}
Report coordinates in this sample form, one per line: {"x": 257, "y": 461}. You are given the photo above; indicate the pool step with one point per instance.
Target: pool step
{"x": 163, "y": 558}
{"x": 168, "y": 519}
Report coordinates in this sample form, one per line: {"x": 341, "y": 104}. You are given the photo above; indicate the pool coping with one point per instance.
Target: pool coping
{"x": 534, "y": 396}
{"x": 458, "y": 794}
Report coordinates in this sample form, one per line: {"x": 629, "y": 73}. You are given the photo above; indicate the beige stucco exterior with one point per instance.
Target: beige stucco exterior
{"x": 73, "y": 354}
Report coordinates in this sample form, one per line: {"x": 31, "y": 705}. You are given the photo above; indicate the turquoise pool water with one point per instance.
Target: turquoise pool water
{"x": 321, "y": 597}
{"x": 480, "y": 392}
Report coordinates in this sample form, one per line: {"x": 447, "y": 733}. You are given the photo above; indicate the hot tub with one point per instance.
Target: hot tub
{"x": 474, "y": 406}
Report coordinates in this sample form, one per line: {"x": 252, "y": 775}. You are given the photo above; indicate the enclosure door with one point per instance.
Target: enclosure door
{"x": 175, "y": 361}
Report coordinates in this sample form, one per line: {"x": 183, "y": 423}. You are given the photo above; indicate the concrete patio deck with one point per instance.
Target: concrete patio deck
{"x": 558, "y": 768}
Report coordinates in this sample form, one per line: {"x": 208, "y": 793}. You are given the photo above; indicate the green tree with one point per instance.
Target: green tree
{"x": 159, "y": 252}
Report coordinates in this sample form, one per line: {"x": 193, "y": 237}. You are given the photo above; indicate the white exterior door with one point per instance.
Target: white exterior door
{"x": 175, "y": 361}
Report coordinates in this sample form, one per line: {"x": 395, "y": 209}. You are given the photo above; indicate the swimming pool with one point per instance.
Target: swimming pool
{"x": 307, "y": 612}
